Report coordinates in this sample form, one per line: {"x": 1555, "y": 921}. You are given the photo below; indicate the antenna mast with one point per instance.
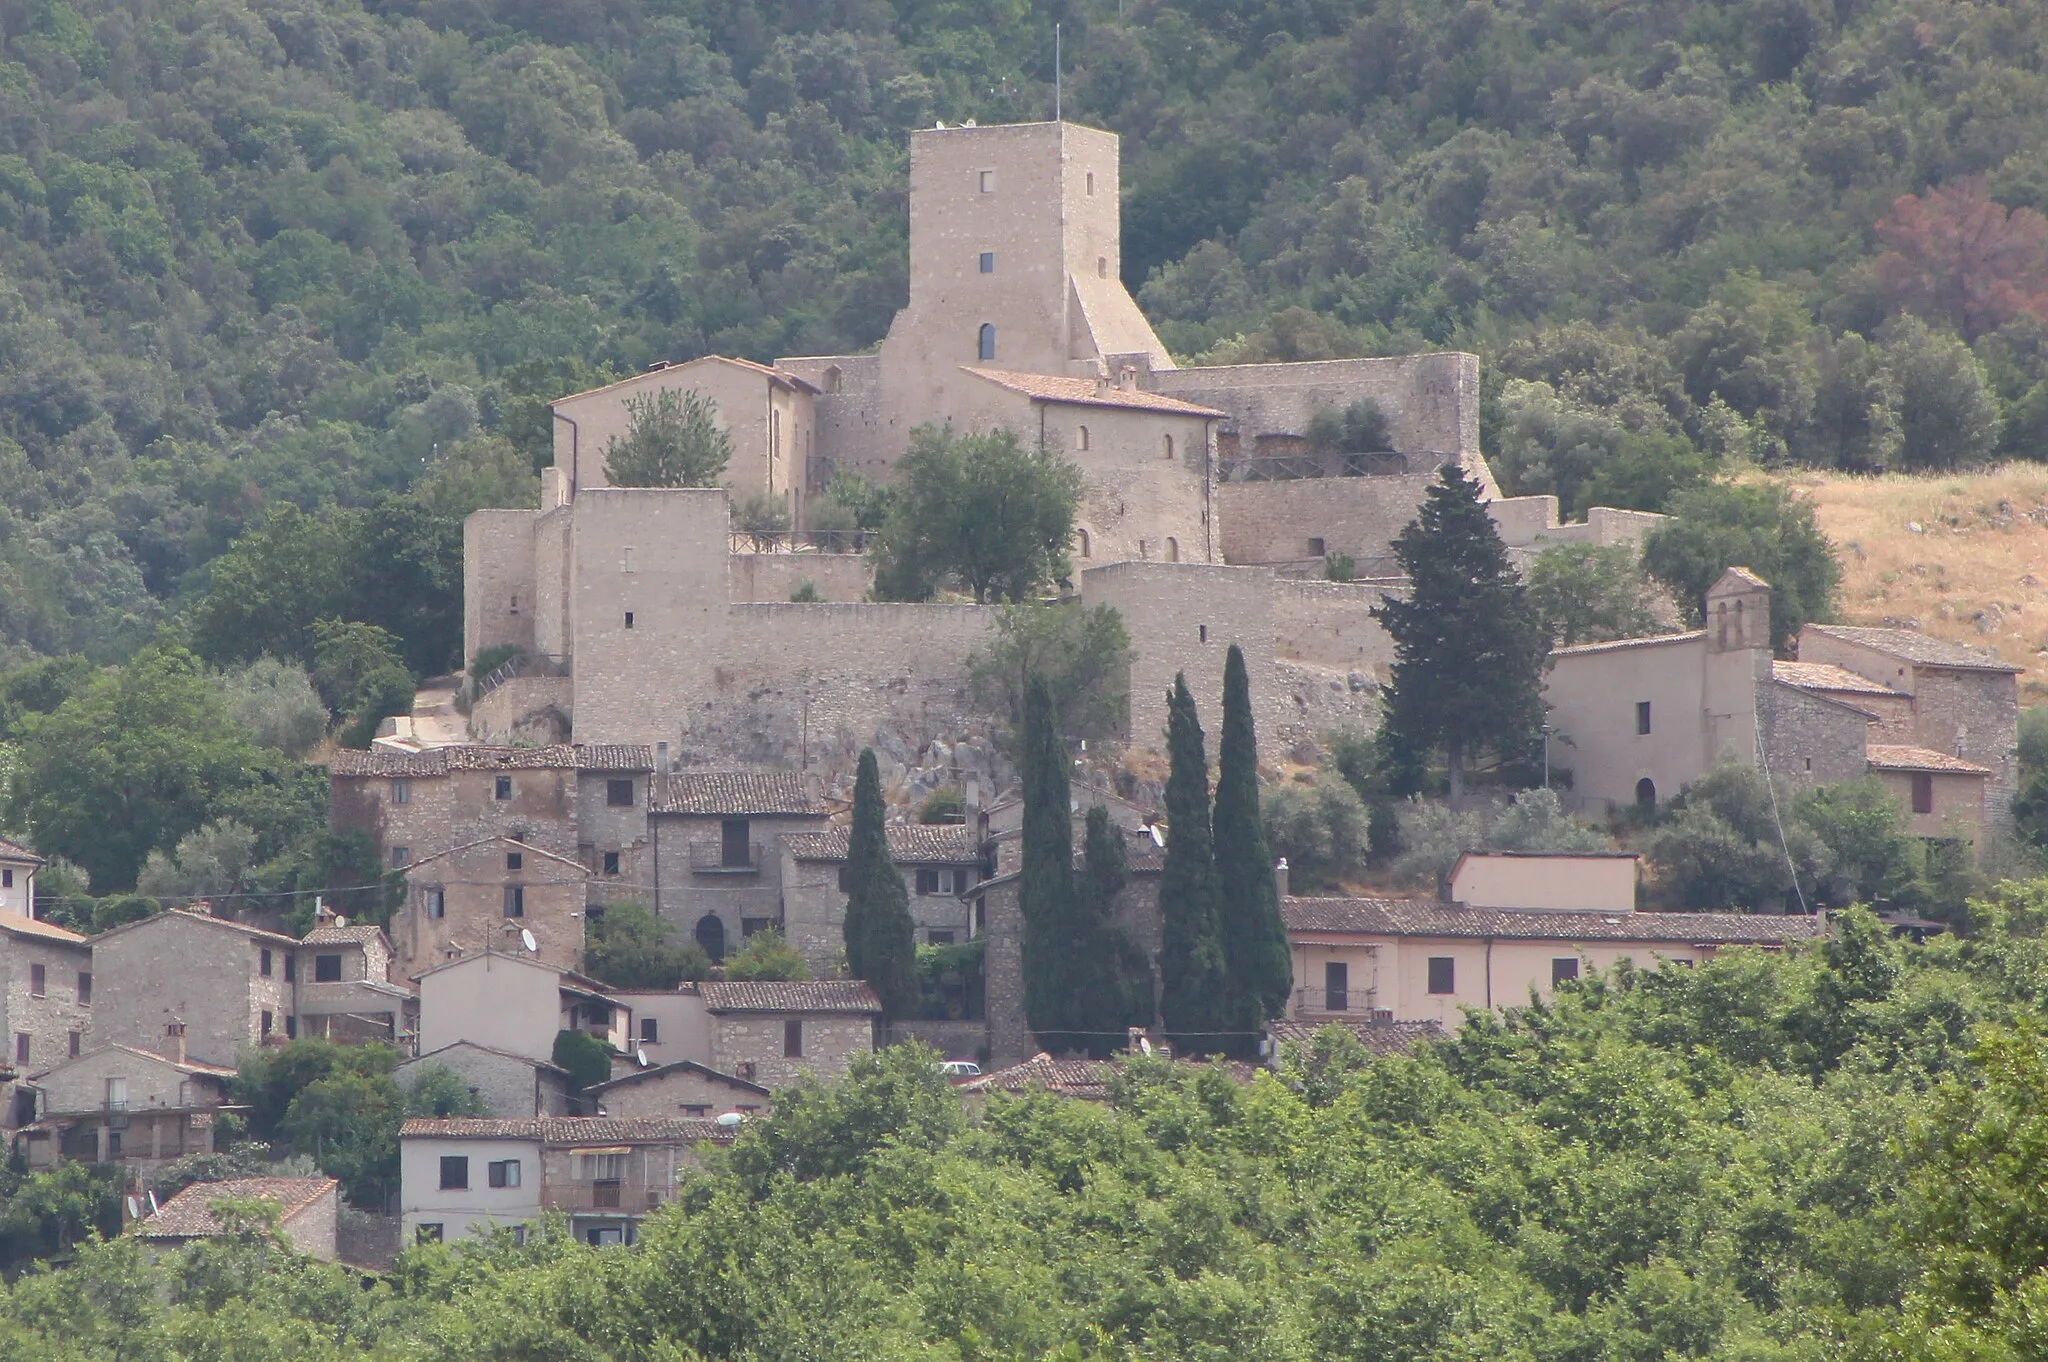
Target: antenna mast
{"x": 1056, "y": 74}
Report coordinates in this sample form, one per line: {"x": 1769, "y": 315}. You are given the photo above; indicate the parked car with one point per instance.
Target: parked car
{"x": 959, "y": 1070}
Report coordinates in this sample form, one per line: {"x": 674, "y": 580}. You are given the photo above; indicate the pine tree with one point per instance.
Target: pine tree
{"x": 1193, "y": 1002}
{"x": 1045, "y": 889}
{"x": 1468, "y": 649}
{"x": 881, "y": 940}
{"x": 1248, "y": 923}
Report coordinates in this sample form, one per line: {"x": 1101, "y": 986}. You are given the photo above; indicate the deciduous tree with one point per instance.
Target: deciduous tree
{"x": 1592, "y": 593}
{"x": 1082, "y": 654}
{"x": 1760, "y": 527}
{"x": 982, "y": 511}
{"x": 1957, "y": 255}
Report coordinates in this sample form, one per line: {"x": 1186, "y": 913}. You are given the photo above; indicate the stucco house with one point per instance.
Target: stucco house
{"x": 18, "y": 867}
{"x": 307, "y": 1213}
{"x": 515, "y": 1003}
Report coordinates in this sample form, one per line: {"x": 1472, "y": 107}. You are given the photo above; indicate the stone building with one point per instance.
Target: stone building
{"x": 45, "y": 1003}
{"x": 684, "y": 1088}
{"x": 939, "y": 864}
{"x": 716, "y": 836}
{"x": 343, "y": 990}
{"x": 189, "y": 985}
{"x": 18, "y": 867}
{"x": 308, "y": 1211}
{"x": 121, "y": 1104}
{"x": 772, "y": 1033}
{"x": 491, "y": 894}
{"x": 509, "y": 1084}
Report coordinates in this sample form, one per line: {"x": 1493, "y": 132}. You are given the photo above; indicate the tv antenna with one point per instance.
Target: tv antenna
{"x": 1056, "y": 74}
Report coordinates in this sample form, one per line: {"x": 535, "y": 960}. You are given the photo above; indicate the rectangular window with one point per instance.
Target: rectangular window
{"x": 650, "y": 1030}
{"x": 1642, "y": 716}
{"x": 1923, "y": 792}
{"x": 85, "y": 988}
{"x": 515, "y": 900}
{"x": 291, "y": 1028}
{"x": 21, "y": 1047}
{"x": 268, "y": 1023}
{"x": 117, "y": 1094}
{"x": 503, "y": 788}
{"x": 36, "y": 975}
{"x": 455, "y": 1172}
{"x": 515, "y": 860}
{"x": 1336, "y": 986}
{"x": 734, "y": 847}
{"x": 689, "y": 1109}
{"x": 401, "y": 792}
{"x": 73, "y": 1047}
{"x": 1562, "y": 969}
{"x": 327, "y": 969}
{"x": 939, "y": 938}
{"x": 1443, "y": 974}
{"x": 401, "y": 857}
{"x": 629, "y": 619}
{"x": 747, "y": 1070}
{"x": 6, "y": 879}
{"x": 503, "y": 1172}
{"x": 987, "y": 180}
{"x": 426, "y": 1234}
{"x": 611, "y": 863}
{"x": 751, "y": 925}
{"x": 846, "y": 879}
{"x": 433, "y": 901}
{"x": 113, "y": 1144}
{"x": 604, "y": 1167}
{"x": 618, "y": 794}
{"x": 1315, "y": 548}
{"x": 263, "y": 962}
{"x": 793, "y": 1038}
{"x": 927, "y": 881}
{"x": 988, "y": 262}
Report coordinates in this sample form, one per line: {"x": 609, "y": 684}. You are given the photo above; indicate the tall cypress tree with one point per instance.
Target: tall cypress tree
{"x": 881, "y": 940}
{"x": 1118, "y": 982}
{"x": 1468, "y": 649}
{"x": 1045, "y": 888}
{"x": 1254, "y": 939}
{"x": 1194, "y": 1000}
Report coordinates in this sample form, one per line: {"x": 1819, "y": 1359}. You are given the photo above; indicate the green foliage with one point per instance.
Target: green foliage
{"x": 881, "y": 940}
{"x": 672, "y": 439}
{"x": 276, "y": 702}
{"x": 943, "y": 806}
{"x": 1194, "y": 982}
{"x": 361, "y": 676}
{"x": 1591, "y": 593}
{"x": 628, "y": 946}
{"x": 1757, "y": 526}
{"x": 980, "y": 511}
{"x": 1322, "y": 828}
{"x": 1721, "y": 848}
{"x": 39, "y": 688}
{"x": 1259, "y": 965}
{"x": 1361, "y": 428}
{"x": 1340, "y": 567}
{"x": 805, "y": 593}
{"x": 1434, "y": 835}
{"x": 586, "y": 1058}
{"x": 765, "y": 955}
{"x": 479, "y": 472}
{"x": 762, "y": 513}
{"x": 1082, "y": 653}
{"x": 1469, "y": 650}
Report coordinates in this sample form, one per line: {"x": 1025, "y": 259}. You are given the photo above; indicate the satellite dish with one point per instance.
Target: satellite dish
{"x": 1158, "y": 837}
{"x": 731, "y": 1120}
{"x": 526, "y": 940}
{"x": 134, "y": 1208}
{"x": 340, "y": 921}
{"x": 1145, "y": 1045}
{"x": 640, "y": 1055}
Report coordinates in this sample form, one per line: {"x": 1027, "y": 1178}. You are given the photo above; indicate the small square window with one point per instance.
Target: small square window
{"x": 401, "y": 792}
{"x": 1562, "y": 969}
{"x": 695, "y": 1110}
{"x": 611, "y": 863}
{"x": 927, "y": 881}
{"x": 515, "y": 900}
{"x": 650, "y": 1030}
{"x": 988, "y": 262}
{"x": 401, "y": 857}
{"x": 618, "y": 794}
{"x": 938, "y": 938}
{"x": 327, "y": 969}
{"x": 503, "y": 788}
{"x": 1642, "y": 716}
{"x": 515, "y": 860}
{"x": 750, "y": 926}
{"x": 747, "y": 1068}
{"x": 1443, "y": 974}
{"x": 455, "y": 1172}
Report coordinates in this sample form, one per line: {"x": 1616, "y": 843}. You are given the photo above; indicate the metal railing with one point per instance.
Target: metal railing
{"x": 521, "y": 664}
{"x": 711, "y": 858}
{"x": 799, "y": 541}
{"x": 1350, "y": 1002}
{"x": 624, "y": 1196}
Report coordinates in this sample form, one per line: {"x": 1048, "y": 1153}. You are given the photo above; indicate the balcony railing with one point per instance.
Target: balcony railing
{"x": 800, "y": 541}
{"x": 1349, "y": 1002}
{"x": 713, "y": 858}
{"x": 599, "y": 1196}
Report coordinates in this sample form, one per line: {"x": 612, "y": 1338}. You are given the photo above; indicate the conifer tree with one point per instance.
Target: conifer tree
{"x": 1194, "y": 1001}
{"x": 1045, "y": 889}
{"x": 1254, "y": 940}
{"x": 881, "y": 940}
{"x": 1468, "y": 648}
{"x": 1118, "y": 983}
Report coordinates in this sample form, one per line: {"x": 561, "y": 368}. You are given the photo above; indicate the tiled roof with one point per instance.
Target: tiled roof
{"x": 189, "y": 1214}
{"x": 809, "y": 995}
{"x": 781, "y": 376}
{"x": 527, "y": 1060}
{"x": 1653, "y": 641}
{"x": 15, "y": 851}
{"x": 186, "y": 1067}
{"x": 1827, "y": 676}
{"x": 439, "y": 761}
{"x": 19, "y": 924}
{"x": 732, "y": 793}
{"x": 361, "y": 936}
{"x": 689, "y": 1065}
{"x": 1914, "y": 647}
{"x": 1742, "y": 577}
{"x": 1382, "y": 1038}
{"x": 1883, "y": 758}
{"x": 1085, "y": 1079}
{"x": 567, "y": 1130}
{"x": 606, "y": 756}
{"x": 174, "y": 914}
{"x": 1085, "y": 392}
{"x": 1429, "y": 917}
{"x": 914, "y": 843}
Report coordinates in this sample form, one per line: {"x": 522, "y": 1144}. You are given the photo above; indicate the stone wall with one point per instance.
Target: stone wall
{"x": 1010, "y": 1040}
{"x": 524, "y": 709}
{"x": 952, "y": 1039}
{"x": 313, "y": 1231}
{"x": 365, "y": 1239}
{"x": 1973, "y": 715}
{"x": 509, "y": 1085}
{"x": 847, "y": 419}
{"x": 472, "y": 884}
{"x": 204, "y": 972}
{"x": 1431, "y": 401}
{"x": 1330, "y": 624}
{"x": 749, "y": 1045}
{"x": 443, "y": 812}
{"x": 737, "y": 898}
{"x": 1810, "y": 740}
{"x": 1184, "y": 618}
{"x": 498, "y": 577}
{"x": 1275, "y": 522}
{"x": 766, "y": 577}
{"x": 681, "y": 1092}
{"x": 49, "y": 1021}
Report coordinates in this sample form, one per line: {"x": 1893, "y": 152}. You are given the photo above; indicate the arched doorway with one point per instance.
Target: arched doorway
{"x": 711, "y": 936}
{"x": 1646, "y": 793}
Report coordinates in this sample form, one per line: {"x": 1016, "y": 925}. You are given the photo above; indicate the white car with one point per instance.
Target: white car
{"x": 959, "y": 1070}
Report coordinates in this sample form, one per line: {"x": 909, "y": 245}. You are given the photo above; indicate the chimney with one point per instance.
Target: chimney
{"x": 1127, "y": 377}
{"x": 661, "y": 758}
{"x": 1280, "y": 876}
{"x": 176, "y": 1031}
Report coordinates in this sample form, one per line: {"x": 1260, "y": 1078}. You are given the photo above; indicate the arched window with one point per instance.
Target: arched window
{"x": 986, "y": 346}
{"x": 711, "y": 935}
{"x": 1646, "y": 793}
{"x": 1169, "y": 446}
{"x": 1081, "y": 541}
{"x": 832, "y": 377}
{"x": 1080, "y": 437}
{"x": 1172, "y": 549}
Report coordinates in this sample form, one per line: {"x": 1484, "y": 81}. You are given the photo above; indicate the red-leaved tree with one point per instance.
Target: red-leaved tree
{"x": 1957, "y": 255}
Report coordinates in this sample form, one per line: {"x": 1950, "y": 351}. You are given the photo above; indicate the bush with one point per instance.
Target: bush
{"x": 1340, "y": 567}
{"x": 765, "y": 955}
{"x": 1322, "y": 828}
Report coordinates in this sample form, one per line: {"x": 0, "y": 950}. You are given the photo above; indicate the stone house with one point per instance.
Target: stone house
{"x": 343, "y": 990}
{"x": 717, "y": 862}
{"x": 509, "y": 1084}
{"x": 420, "y": 804}
{"x": 612, "y": 830}
{"x": 308, "y": 1212}
{"x": 483, "y": 895}
{"x": 460, "y": 1176}
{"x": 45, "y": 1003}
{"x": 515, "y": 1004}
{"x": 1944, "y": 797}
{"x": 188, "y": 984}
{"x": 18, "y": 867}
{"x": 939, "y": 864}
{"x": 771, "y": 1033}
{"x": 119, "y": 1103}
{"x": 683, "y": 1088}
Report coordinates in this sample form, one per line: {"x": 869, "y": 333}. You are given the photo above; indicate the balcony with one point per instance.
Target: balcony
{"x": 725, "y": 858}
{"x": 1336, "y": 1002}
{"x": 605, "y": 1196}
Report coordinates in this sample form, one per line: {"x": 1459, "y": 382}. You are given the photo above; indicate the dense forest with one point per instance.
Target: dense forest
{"x": 290, "y": 252}
{"x": 1831, "y": 1154}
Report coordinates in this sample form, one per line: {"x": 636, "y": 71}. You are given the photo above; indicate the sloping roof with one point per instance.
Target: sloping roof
{"x": 439, "y": 761}
{"x": 20, "y": 924}
{"x": 174, "y": 914}
{"x": 1085, "y": 1079}
{"x": 733, "y": 794}
{"x": 525, "y": 848}
{"x": 808, "y": 995}
{"x": 1084, "y": 392}
{"x": 1429, "y": 917}
{"x": 15, "y": 851}
{"x": 781, "y": 376}
{"x": 912, "y": 844}
{"x": 1382, "y": 1038}
{"x": 689, "y": 1065}
{"x": 527, "y": 1060}
{"x": 608, "y": 756}
{"x": 188, "y": 1066}
{"x": 332, "y": 935}
{"x": 189, "y": 1214}
{"x": 1739, "y": 576}
{"x": 1826, "y": 676}
{"x": 1914, "y": 647}
{"x": 1652, "y": 641}
{"x": 566, "y": 1130}
{"x": 1886, "y": 758}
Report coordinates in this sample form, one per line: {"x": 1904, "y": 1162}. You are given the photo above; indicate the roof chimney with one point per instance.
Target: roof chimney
{"x": 1127, "y": 377}
{"x": 1280, "y": 877}
{"x": 176, "y": 1031}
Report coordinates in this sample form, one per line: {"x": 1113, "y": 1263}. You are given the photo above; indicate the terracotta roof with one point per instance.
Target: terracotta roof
{"x": 689, "y": 1065}
{"x": 782, "y": 376}
{"x": 1380, "y": 1037}
{"x": 606, "y": 756}
{"x": 20, "y": 924}
{"x": 187, "y": 1066}
{"x": 1915, "y": 647}
{"x": 1826, "y": 676}
{"x": 1429, "y": 917}
{"x": 15, "y": 851}
{"x": 527, "y": 1060}
{"x": 733, "y": 793}
{"x": 172, "y": 914}
{"x": 1653, "y": 641}
{"x": 1920, "y": 759}
{"x": 909, "y": 844}
{"x": 1742, "y": 577}
{"x": 809, "y": 995}
{"x": 566, "y": 1130}
{"x": 439, "y": 761}
{"x": 1084, "y": 392}
{"x": 361, "y": 936}
{"x": 1085, "y": 1079}
{"x": 189, "y": 1214}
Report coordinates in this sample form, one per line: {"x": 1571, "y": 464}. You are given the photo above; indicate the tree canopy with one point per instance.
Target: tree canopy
{"x": 981, "y": 512}
{"x": 672, "y": 439}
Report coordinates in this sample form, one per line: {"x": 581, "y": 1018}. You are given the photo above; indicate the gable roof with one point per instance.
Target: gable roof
{"x": 909, "y": 844}
{"x": 1380, "y": 1037}
{"x": 1738, "y": 577}
{"x": 189, "y": 1214}
{"x": 567, "y": 1130}
{"x": 1651, "y": 641}
{"x": 174, "y": 914}
{"x": 1890, "y": 758}
{"x": 808, "y": 995}
{"x": 1085, "y": 392}
{"x": 1915, "y": 647}
{"x": 508, "y": 840}
{"x": 440, "y": 761}
{"x": 20, "y": 924}
{"x": 527, "y": 1060}
{"x": 1084, "y": 1079}
{"x": 610, "y": 756}
{"x": 1826, "y": 676}
{"x": 565, "y": 978}
{"x": 15, "y": 851}
{"x": 338, "y": 936}
{"x": 191, "y": 1067}
{"x": 775, "y": 375}
{"x": 733, "y": 794}
{"x": 1429, "y": 917}
{"x": 680, "y": 1065}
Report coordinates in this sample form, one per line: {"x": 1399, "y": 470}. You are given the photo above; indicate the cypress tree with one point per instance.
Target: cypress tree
{"x": 1254, "y": 939}
{"x": 881, "y": 940}
{"x": 1193, "y": 1000}
{"x": 1045, "y": 888}
{"x": 1118, "y": 984}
